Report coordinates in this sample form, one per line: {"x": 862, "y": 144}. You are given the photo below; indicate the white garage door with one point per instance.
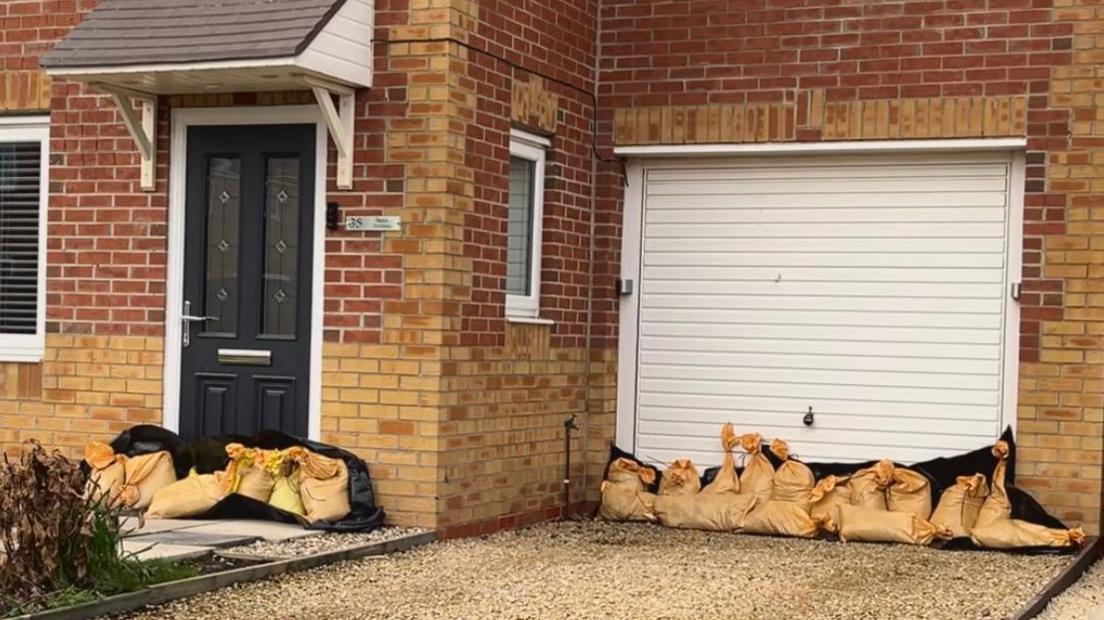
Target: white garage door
{"x": 873, "y": 289}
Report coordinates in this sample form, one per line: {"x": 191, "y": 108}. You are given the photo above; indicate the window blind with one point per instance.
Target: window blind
{"x": 20, "y": 188}
{"x": 519, "y": 254}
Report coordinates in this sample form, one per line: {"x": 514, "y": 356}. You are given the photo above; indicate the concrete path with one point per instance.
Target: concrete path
{"x": 183, "y": 539}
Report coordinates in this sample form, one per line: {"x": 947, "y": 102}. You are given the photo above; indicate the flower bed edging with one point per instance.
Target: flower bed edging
{"x": 1085, "y": 558}
{"x": 165, "y": 592}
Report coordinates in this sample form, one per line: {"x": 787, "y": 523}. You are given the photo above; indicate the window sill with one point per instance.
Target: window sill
{"x": 17, "y": 357}
{"x": 529, "y": 320}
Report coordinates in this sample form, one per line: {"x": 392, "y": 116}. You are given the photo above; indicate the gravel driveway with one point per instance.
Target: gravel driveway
{"x": 609, "y": 571}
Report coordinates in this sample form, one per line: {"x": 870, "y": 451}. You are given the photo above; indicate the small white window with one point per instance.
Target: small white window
{"x": 24, "y": 164}
{"x": 523, "y": 247}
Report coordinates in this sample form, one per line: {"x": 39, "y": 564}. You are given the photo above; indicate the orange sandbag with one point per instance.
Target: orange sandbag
{"x": 779, "y": 518}
{"x": 909, "y": 492}
{"x": 868, "y": 486}
{"x": 191, "y": 496}
{"x": 959, "y": 506}
{"x": 323, "y": 484}
{"x": 758, "y": 476}
{"x": 715, "y": 512}
{"x": 793, "y": 480}
{"x": 680, "y": 479}
{"x": 246, "y": 474}
{"x": 726, "y": 480}
{"x": 826, "y": 498}
{"x": 622, "y": 503}
{"x": 995, "y": 527}
{"x": 107, "y": 473}
{"x": 630, "y": 474}
{"x": 145, "y": 475}
{"x": 873, "y": 525}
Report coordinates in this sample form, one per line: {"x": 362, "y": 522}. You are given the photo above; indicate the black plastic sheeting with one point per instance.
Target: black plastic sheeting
{"x": 208, "y": 455}
{"x": 941, "y": 473}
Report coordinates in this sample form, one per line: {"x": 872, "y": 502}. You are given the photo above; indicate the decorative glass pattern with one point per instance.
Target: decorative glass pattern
{"x": 223, "y": 288}
{"x": 281, "y": 247}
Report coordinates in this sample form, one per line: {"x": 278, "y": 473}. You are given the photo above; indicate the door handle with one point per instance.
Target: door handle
{"x": 188, "y": 318}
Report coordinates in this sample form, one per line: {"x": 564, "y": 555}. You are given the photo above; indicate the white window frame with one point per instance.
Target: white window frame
{"x": 31, "y": 347}
{"x": 533, "y": 148}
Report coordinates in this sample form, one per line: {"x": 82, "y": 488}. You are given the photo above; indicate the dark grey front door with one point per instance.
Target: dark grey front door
{"x": 249, "y": 219}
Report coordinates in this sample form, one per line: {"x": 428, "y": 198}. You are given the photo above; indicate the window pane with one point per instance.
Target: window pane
{"x": 281, "y": 260}
{"x": 223, "y": 243}
{"x": 519, "y": 255}
{"x": 20, "y": 170}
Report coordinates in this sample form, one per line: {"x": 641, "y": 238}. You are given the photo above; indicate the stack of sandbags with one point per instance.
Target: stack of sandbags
{"x": 323, "y": 485}
{"x": 284, "y": 469}
{"x": 246, "y": 474}
{"x": 827, "y": 496}
{"x": 785, "y": 512}
{"x": 194, "y": 495}
{"x": 888, "y": 504}
{"x": 995, "y": 528}
{"x": 719, "y": 507}
{"x": 624, "y": 492}
{"x": 960, "y": 504}
{"x": 127, "y": 482}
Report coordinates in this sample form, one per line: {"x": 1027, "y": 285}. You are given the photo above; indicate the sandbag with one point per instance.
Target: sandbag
{"x": 793, "y": 480}
{"x": 868, "y": 486}
{"x": 780, "y": 518}
{"x": 246, "y": 474}
{"x": 758, "y": 475}
{"x": 107, "y": 473}
{"x": 959, "y": 506}
{"x": 623, "y": 503}
{"x": 145, "y": 475}
{"x": 857, "y": 523}
{"x": 715, "y": 512}
{"x": 680, "y": 479}
{"x": 996, "y": 529}
{"x": 285, "y": 482}
{"x": 826, "y": 498}
{"x": 629, "y": 474}
{"x": 193, "y": 495}
{"x": 726, "y": 480}
{"x": 909, "y": 492}
{"x": 323, "y": 485}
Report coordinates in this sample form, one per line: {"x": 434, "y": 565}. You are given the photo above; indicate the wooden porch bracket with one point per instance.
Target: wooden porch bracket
{"x": 142, "y": 127}
{"x": 339, "y": 120}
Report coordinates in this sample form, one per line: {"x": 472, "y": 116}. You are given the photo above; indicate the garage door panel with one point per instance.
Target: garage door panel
{"x": 691, "y": 388}
{"x": 736, "y": 331}
{"x": 792, "y": 407}
{"x": 868, "y": 247}
{"x": 946, "y": 320}
{"x": 871, "y": 288}
{"x": 933, "y": 305}
{"x": 828, "y": 201}
{"x": 832, "y": 230}
{"x": 745, "y": 214}
{"x": 707, "y": 275}
{"x": 932, "y": 379}
{"x": 788, "y": 169}
{"x": 825, "y": 362}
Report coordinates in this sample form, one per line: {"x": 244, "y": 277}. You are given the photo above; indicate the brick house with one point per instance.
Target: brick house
{"x": 431, "y": 232}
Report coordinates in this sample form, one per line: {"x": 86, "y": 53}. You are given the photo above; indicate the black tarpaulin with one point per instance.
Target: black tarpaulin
{"x": 208, "y": 455}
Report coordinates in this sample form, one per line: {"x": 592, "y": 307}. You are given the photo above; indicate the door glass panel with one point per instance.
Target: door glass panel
{"x": 223, "y": 243}
{"x": 281, "y": 247}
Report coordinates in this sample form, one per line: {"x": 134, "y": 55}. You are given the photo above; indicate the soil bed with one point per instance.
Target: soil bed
{"x": 602, "y": 570}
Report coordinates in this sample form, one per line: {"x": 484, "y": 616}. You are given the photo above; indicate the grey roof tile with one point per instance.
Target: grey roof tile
{"x": 141, "y": 32}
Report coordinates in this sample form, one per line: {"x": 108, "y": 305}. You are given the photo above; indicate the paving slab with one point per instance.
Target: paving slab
{"x": 267, "y": 530}
{"x": 154, "y": 526}
{"x": 195, "y": 539}
{"x": 146, "y": 550}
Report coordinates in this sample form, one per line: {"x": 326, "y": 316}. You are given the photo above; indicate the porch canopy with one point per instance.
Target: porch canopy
{"x": 139, "y": 49}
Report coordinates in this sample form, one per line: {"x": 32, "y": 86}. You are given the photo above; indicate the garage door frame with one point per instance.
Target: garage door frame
{"x": 639, "y": 159}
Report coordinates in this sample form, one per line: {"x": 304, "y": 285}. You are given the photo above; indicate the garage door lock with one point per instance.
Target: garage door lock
{"x": 624, "y": 286}
{"x": 809, "y": 418}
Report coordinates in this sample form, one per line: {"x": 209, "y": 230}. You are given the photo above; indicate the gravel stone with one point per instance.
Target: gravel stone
{"x": 330, "y": 541}
{"x": 605, "y": 571}
{"x": 1083, "y": 600}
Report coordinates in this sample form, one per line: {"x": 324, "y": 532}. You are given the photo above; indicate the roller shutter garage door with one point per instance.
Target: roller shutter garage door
{"x": 874, "y": 289}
